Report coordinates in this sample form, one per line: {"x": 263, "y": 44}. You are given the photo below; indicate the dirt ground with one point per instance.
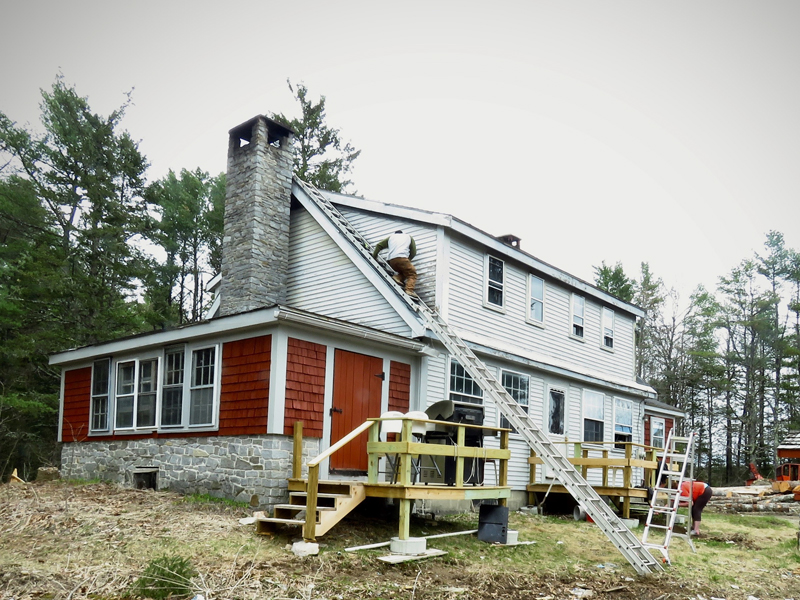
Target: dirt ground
{"x": 66, "y": 541}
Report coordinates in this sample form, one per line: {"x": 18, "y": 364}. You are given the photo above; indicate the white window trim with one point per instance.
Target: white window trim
{"x": 527, "y": 404}
{"x": 603, "y": 312}
{"x": 528, "y": 318}
{"x": 486, "y": 304}
{"x": 188, "y": 357}
{"x": 450, "y": 391}
{"x": 584, "y": 417}
{"x": 136, "y": 360}
{"x": 581, "y": 338}
{"x": 109, "y": 399}
{"x": 633, "y": 417}
{"x": 546, "y": 411}
{"x": 663, "y": 428}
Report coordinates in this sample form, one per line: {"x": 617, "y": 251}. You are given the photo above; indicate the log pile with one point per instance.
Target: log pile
{"x": 779, "y": 497}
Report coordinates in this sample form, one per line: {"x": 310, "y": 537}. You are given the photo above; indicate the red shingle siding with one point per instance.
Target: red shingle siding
{"x": 244, "y": 393}
{"x": 77, "y": 399}
{"x": 399, "y": 386}
{"x": 305, "y": 387}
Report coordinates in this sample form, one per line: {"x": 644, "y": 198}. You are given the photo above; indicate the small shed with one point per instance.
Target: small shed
{"x": 789, "y": 455}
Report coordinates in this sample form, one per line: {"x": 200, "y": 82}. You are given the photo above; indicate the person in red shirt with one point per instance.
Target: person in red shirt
{"x": 700, "y": 493}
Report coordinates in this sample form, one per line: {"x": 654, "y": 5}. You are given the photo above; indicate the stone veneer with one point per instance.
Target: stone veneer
{"x": 231, "y": 467}
{"x": 255, "y": 245}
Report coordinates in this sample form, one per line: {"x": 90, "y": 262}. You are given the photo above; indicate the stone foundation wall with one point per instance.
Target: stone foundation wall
{"x": 250, "y": 469}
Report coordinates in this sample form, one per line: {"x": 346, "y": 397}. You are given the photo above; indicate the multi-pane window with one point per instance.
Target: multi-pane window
{"x": 178, "y": 390}
{"x": 101, "y": 371}
{"x": 462, "y": 387}
{"x": 608, "y": 327}
{"x": 172, "y": 391}
{"x": 136, "y": 393}
{"x": 578, "y": 308}
{"x": 517, "y": 386}
{"x": 556, "y": 412}
{"x": 657, "y": 432}
{"x": 535, "y": 299}
{"x": 623, "y": 421}
{"x": 126, "y": 393}
{"x": 201, "y": 400}
{"x": 495, "y": 281}
{"x": 593, "y": 416}
{"x": 146, "y": 399}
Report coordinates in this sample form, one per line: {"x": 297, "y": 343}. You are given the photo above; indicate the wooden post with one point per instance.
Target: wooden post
{"x": 405, "y": 519}
{"x": 310, "y": 528}
{"x": 532, "y": 478}
{"x": 584, "y": 468}
{"x": 404, "y": 477}
{"x": 627, "y": 470}
{"x": 460, "y": 438}
{"x": 605, "y": 470}
{"x": 374, "y": 458}
{"x": 503, "y": 467}
{"x": 297, "y": 452}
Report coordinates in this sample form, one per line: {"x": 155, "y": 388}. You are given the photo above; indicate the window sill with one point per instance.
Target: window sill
{"x": 607, "y": 349}
{"x": 539, "y": 324}
{"x": 577, "y": 338}
{"x": 494, "y": 307}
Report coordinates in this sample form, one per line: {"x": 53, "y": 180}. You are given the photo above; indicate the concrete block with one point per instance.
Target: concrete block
{"x": 411, "y": 546}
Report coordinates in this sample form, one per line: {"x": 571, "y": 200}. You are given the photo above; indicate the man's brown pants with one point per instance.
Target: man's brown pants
{"x": 406, "y": 270}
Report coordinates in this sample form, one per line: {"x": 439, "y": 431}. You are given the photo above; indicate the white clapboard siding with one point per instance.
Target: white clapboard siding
{"x": 323, "y": 280}
{"x": 375, "y": 227}
{"x": 466, "y": 311}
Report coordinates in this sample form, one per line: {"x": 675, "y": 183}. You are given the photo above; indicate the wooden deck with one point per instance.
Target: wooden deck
{"x": 590, "y": 457}
{"x": 403, "y": 485}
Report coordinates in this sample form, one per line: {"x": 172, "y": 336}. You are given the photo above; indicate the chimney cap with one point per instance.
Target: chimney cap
{"x": 510, "y": 240}
{"x": 276, "y": 129}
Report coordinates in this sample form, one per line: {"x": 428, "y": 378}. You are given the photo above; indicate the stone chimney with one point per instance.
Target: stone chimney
{"x": 255, "y": 245}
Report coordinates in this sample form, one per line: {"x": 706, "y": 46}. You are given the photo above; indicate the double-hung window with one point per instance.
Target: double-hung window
{"x": 202, "y": 387}
{"x": 462, "y": 387}
{"x": 178, "y": 390}
{"x": 101, "y": 378}
{"x": 658, "y": 429}
{"x": 535, "y": 300}
{"x": 578, "y": 310}
{"x": 623, "y": 422}
{"x": 593, "y": 416}
{"x": 556, "y": 412}
{"x": 136, "y": 393}
{"x": 608, "y": 328}
{"x": 172, "y": 390}
{"x": 495, "y": 282}
{"x": 517, "y": 385}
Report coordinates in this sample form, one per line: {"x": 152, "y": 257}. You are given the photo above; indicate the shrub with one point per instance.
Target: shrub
{"x": 165, "y": 576}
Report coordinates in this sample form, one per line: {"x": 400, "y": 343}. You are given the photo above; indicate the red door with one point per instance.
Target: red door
{"x": 357, "y": 384}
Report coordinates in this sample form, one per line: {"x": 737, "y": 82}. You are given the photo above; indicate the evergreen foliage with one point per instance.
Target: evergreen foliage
{"x": 321, "y": 157}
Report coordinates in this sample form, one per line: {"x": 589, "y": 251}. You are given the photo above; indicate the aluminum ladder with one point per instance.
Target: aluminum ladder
{"x": 678, "y": 456}
{"x": 608, "y": 522}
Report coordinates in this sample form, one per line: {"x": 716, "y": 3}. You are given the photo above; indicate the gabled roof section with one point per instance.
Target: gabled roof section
{"x": 791, "y": 441}
{"x": 408, "y": 316}
{"x": 495, "y": 245}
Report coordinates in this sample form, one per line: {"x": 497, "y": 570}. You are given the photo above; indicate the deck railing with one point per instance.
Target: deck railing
{"x": 598, "y": 455}
{"x": 404, "y": 450}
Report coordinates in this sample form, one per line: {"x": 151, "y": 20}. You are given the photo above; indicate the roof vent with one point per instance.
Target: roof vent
{"x": 510, "y": 240}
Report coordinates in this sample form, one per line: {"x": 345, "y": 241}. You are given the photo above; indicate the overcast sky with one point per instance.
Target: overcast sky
{"x": 666, "y": 132}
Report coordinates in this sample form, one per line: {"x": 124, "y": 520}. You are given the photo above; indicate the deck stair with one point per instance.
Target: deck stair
{"x": 335, "y": 500}
{"x": 595, "y": 506}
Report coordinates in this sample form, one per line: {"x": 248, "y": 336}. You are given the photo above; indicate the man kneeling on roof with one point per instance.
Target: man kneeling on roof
{"x": 401, "y": 249}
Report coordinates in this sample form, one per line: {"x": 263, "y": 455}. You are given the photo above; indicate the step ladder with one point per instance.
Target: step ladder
{"x": 597, "y": 508}
{"x": 676, "y": 460}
